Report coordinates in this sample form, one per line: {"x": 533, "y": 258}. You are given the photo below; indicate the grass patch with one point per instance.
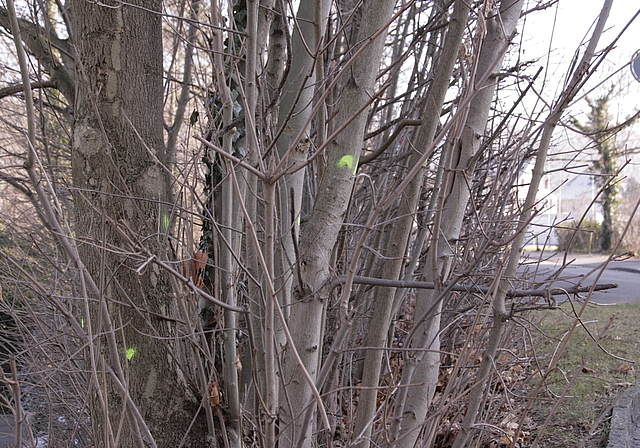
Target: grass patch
{"x": 599, "y": 362}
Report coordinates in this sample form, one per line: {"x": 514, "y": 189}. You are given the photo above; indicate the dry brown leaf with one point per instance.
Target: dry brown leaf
{"x": 214, "y": 394}
{"x": 199, "y": 263}
{"x": 626, "y": 368}
{"x": 194, "y": 268}
{"x": 238, "y": 363}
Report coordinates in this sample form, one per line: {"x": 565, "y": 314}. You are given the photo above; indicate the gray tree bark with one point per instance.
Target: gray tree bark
{"x": 382, "y": 311}
{"x": 460, "y": 165}
{"x": 120, "y": 213}
{"x": 320, "y": 233}
{"x": 295, "y": 111}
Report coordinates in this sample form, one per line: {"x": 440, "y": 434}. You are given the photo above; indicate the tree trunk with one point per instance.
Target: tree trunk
{"x": 121, "y": 219}
{"x": 320, "y": 234}
{"x": 461, "y": 156}
{"x": 382, "y": 312}
{"x": 578, "y": 77}
{"x": 294, "y": 113}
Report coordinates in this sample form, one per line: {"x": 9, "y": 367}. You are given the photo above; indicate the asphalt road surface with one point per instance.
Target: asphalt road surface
{"x": 589, "y": 269}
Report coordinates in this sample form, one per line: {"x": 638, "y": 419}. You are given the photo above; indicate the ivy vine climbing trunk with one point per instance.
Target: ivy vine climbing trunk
{"x": 121, "y": 219}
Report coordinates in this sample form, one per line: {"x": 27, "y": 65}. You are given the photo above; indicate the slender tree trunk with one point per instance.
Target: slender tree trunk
{"x": 294, "y": 114}
{"x": 382, "y": 312}
{"x": 118, "y": 199}
{"x": 319, "y": 235}
{"x": 500, "y": 314}
{"x": 462, "y": 152}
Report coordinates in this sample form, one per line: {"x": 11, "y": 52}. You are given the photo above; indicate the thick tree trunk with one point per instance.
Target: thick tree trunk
{"x": 120, "y": 220}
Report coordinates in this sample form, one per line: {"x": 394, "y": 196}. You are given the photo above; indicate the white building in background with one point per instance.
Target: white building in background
{"x": 566, "y": 196}
{"x": 541, "y": 234}
{"x": 578, "y": 192}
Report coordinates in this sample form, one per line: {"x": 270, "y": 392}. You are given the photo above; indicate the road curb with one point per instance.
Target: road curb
{"x": 625, "y": 420}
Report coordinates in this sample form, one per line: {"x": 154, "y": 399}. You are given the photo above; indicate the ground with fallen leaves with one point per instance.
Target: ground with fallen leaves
{"x": 596, "y": 362}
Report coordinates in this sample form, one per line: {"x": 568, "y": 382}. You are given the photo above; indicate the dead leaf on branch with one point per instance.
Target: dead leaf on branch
{"x": 194, "y": 267}
{"x": 214, "y": 394}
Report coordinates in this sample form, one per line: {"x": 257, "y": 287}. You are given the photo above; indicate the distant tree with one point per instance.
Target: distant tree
{"x": 602, "y": 133}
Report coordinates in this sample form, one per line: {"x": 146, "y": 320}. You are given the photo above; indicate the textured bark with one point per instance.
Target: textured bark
{"x": 119, "y": 194}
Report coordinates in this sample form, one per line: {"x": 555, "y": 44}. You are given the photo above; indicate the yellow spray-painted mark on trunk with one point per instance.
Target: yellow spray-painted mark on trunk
{"x": 349, "y": 162}
{"x": 130, "y": 353}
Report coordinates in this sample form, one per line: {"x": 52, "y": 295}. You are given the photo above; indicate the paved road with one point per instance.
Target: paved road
{"x": 588, "y": 269}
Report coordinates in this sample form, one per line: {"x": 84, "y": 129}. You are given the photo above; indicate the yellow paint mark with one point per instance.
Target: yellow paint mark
{"x": 165, "y": 222}
{"x": 130, "y": 353}
{"x": 348, "y": 162}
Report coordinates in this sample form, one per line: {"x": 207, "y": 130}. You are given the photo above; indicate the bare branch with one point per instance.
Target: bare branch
{"x": 18, "y": 88}
{"x": 542, "y": 292}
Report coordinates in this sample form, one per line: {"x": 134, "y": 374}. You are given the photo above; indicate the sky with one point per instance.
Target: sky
{"x": 563, "y": 27}
{"x": 553, "y": 37}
